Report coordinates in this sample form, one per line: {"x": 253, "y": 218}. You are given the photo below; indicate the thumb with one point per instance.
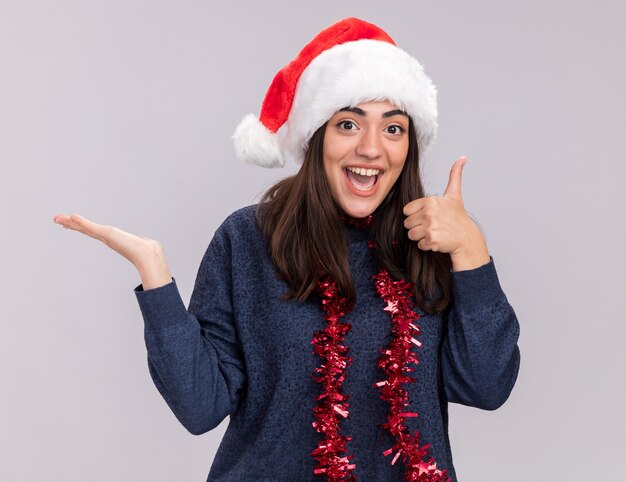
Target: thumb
{"x": 453, "y": 189}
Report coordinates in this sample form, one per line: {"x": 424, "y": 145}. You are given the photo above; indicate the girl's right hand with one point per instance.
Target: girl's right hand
{"x": 145, "y": 254}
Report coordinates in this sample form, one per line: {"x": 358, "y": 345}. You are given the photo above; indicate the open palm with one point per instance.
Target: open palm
{"x": 145, "y": 254}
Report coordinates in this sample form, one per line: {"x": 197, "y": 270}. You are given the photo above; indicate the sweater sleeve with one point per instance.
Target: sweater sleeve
{"x": 194, "y": 356}
{"x": 480, "y": 355}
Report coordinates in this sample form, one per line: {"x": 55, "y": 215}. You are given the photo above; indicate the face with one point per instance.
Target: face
{"x": 364, "y": 152}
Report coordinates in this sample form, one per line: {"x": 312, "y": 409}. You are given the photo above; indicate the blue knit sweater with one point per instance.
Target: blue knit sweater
{"x": 240, "y": 350}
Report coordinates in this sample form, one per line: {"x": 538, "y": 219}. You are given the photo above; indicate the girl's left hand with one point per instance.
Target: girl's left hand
{"x": 440, "y": 223}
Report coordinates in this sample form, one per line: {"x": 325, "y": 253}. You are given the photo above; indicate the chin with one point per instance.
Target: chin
{"x": 359, "y": 211}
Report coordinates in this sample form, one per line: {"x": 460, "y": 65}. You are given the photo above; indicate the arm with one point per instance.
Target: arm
{"x": 194, "y": 357}
{"x": 480, "y": 355}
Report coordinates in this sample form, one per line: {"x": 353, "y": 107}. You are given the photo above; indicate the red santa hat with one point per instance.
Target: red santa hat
{"x": 349, "y": 62}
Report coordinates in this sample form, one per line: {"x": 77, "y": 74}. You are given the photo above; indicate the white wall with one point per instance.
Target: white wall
{"x": 122, "y": 111}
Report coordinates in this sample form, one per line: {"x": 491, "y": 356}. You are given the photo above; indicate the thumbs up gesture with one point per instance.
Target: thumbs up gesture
{"x": 440, "y": 223}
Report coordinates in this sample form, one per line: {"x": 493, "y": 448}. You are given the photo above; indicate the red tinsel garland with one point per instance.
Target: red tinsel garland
{"x": 331, "y": 452}
{"x": 396, "y": 356}
{"x": 333, "y": 404}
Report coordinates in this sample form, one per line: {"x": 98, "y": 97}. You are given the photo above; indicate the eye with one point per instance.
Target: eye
{"x": 396, "y": 130}
{"x": 346, "y": 125}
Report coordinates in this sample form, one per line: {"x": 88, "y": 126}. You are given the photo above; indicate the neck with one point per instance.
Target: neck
{"x": 356, "y": 223}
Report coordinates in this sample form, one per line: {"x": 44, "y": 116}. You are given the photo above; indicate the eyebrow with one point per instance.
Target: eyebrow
{"x": 361, "y": 112}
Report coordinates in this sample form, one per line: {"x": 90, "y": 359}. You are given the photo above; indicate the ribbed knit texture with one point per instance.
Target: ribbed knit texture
{"x": 240, "y": 350}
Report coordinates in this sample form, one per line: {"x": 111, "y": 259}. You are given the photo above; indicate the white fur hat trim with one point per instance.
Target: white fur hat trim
{"x": 256, "y": 144}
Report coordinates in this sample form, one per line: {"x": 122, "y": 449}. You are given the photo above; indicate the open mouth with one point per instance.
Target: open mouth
{"x": 362, "y": 179}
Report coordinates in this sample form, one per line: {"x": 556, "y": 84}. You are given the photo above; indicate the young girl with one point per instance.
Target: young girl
{"x": 335, "y": 320}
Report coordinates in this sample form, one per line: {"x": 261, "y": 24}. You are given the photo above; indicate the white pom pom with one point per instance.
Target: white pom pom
{"x": 256, "y": 144}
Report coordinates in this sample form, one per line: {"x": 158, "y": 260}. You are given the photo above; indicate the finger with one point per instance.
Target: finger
{"x": 83, "y": 225}
{"x": 453, "y": 189}
{"x": 63, "y": 220}
{"x": 415, "y": 219}
{"x": 417, "y": 233}
{"x": 415, "y": 205}
{"x": 423, "y": 238}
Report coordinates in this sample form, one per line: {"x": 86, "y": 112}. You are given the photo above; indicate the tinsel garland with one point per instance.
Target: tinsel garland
{"x": 332, "y": 403}
{"x": 396, "y": 356}
{"x": 331, "y": 453}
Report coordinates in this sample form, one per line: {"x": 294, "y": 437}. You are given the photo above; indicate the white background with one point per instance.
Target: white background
{"x": 122, "y": 111}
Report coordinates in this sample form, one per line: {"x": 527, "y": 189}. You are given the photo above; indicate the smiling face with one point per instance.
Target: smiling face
{"x": 365, "y": 148}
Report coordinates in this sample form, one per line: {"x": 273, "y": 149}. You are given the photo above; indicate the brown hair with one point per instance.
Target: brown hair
{"x": 307, "y": 240}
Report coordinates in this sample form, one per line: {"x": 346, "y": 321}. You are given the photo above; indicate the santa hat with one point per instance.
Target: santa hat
{"x": 347, "y": 63}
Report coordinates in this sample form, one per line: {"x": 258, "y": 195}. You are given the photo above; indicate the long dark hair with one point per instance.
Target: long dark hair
{"x": 307, "y": 240}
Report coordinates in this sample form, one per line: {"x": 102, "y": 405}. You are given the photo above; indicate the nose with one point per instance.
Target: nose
{"x": 369, "y": 145}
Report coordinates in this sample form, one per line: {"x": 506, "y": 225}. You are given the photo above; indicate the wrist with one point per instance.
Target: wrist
{"x": 154, "y": 272}
{"x": 471, "y": 255}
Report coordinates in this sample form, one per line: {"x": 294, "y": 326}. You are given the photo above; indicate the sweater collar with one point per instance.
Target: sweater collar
{"x": 358, "y": 229}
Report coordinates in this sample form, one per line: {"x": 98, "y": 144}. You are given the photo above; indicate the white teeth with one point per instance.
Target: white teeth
{"x": 363, "y": 172}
